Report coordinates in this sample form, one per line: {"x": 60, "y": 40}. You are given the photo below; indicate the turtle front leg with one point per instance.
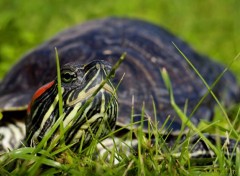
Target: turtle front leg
{"x": 12, "y": 133}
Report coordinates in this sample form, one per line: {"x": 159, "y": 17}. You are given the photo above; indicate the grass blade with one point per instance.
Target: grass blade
{"x": 60, "y": 101}
{"x": 182, "y": 115}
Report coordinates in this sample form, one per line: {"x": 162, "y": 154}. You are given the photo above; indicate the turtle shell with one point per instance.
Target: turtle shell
{"x": 149, "y": 48}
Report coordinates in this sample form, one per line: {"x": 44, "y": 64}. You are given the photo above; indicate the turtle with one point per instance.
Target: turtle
{"x": 93, "y": 47}
{"x": 82, "y": 115}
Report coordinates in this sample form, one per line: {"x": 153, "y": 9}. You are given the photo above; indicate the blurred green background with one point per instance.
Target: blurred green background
{"x": 211, "y": 27}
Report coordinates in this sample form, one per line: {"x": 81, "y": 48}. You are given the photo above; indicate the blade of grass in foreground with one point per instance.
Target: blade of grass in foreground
{"x": 210, "y": 88}
{"x": 141, "y": 170}
{"x": 60, "y": 102}
{"x": 237, "y": 162}
{"x": 59, "y": 122}
{"x": 181, "y": 114}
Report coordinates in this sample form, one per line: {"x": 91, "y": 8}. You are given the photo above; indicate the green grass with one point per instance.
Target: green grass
{"x": 146, "y": 159}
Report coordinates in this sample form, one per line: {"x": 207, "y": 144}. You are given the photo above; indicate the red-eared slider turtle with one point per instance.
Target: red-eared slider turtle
{"x": 149, "y": 48}
{"x": 88, "y": 107}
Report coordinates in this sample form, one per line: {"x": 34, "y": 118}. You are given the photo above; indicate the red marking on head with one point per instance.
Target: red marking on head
{"x": 38, "y": 93}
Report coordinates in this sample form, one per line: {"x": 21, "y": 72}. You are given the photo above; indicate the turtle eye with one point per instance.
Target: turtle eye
{"x": 68, "y": 76}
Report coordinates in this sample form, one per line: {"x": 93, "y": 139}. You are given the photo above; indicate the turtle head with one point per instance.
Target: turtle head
{"x": 89, "y": 105}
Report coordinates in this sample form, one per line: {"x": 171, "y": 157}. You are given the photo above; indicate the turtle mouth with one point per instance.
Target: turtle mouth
{"x": 83, "y": 95}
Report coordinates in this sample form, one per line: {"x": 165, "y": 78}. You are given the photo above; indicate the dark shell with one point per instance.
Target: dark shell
{"x": 149, "y": 48}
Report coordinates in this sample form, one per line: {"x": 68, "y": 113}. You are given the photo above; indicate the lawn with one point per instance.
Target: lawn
{"x": 210, "y": 27}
